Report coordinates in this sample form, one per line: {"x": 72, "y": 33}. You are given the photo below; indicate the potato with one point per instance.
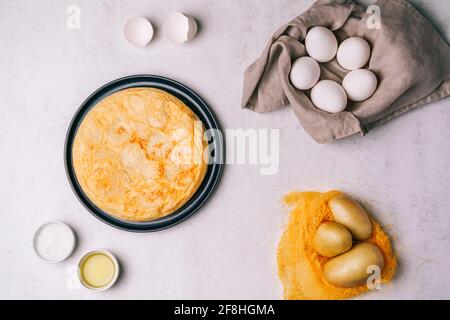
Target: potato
{"x": 332, "y": 239}
{"x": 351, "y": 215}
{"x": 350, "y": 269}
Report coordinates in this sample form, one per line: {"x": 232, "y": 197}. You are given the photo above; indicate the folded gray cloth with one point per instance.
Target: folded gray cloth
{"x": 410, "y": 59}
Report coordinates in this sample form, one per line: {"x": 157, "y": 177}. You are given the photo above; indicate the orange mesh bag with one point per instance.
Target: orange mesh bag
{"x": 300, "y": 266}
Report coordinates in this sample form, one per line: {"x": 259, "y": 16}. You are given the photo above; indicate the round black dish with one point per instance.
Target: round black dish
{"x": 198, "y": 106}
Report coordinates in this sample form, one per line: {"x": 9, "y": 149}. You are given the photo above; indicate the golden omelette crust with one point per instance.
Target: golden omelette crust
{"x": 138, "y": 154}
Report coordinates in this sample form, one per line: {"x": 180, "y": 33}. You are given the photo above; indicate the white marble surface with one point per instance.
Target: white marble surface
{"x": 228, "y": 249}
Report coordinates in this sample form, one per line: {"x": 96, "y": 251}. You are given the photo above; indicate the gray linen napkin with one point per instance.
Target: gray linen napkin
{"x": 410, "y": 59}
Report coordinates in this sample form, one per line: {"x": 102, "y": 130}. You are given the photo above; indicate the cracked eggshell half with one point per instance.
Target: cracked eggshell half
{"x": 180, "y": 28}
{"x": 138, "y": 31}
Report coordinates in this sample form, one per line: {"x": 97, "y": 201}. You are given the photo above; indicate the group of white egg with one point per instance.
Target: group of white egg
{"x": 179, "y": 28}
{"x": 353, "y": 54}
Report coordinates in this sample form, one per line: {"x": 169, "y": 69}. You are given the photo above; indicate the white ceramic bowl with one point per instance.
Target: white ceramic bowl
{"x": 110, "y": 283}
{"x": 69, "y": 232}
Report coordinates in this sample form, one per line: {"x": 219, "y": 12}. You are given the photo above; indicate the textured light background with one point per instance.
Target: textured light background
{"x": 227, "y": 250}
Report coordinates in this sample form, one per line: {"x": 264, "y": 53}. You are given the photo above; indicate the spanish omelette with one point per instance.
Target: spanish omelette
{"x": 138, "y": 154}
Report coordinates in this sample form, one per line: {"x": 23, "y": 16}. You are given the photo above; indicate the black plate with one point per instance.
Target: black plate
{"x": 198, "y": 106}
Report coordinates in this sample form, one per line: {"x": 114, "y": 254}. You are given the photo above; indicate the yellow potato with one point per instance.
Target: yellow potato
{"x": 332, "y": 239}
{"x": 350, "y": 269}
{"x": 351, "y": 215}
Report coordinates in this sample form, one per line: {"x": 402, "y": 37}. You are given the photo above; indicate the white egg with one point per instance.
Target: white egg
{"x": 353, "y": 53}
{"x": 180, "y": 28}
{"x": 138, "y": 31}
{"x": 321, "y": 44}
{"x": 360, "y": 84}
{"x": 305, "y": 73}
{"x": 329, "y": 96}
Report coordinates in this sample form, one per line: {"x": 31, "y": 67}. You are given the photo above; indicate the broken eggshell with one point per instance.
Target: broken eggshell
{"x": 180, "y": 28}
{"x": 138, "y": 31}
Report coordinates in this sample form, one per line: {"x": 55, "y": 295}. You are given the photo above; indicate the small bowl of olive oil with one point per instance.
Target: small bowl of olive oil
{"x": 98, "y": 270}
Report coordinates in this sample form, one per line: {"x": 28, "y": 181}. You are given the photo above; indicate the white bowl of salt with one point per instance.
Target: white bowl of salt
{"x": 54, "y": 241}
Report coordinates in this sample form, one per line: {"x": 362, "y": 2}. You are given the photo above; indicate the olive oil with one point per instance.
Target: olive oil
{"x": 98, "y": 270}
